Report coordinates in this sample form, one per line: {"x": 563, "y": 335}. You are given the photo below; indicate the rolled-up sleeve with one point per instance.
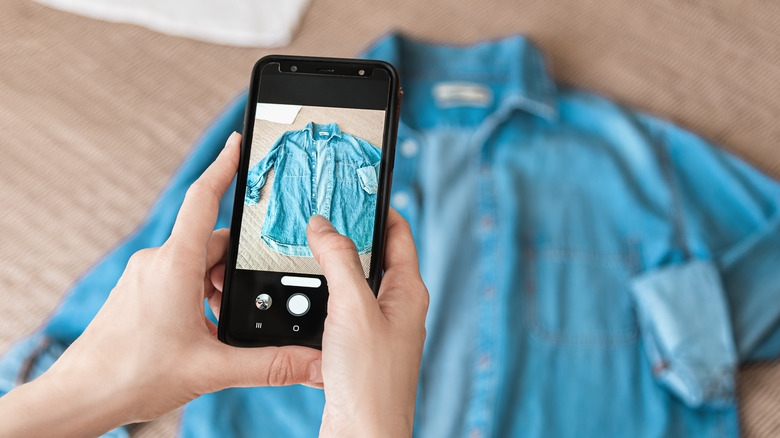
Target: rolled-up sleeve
{"x": 720, "y": 305}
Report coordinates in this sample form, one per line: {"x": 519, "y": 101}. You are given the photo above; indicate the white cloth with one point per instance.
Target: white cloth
{"x": 268, "y": 23}
{"x": 277, "y": 113}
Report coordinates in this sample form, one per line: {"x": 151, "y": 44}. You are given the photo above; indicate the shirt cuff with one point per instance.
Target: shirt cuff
{"x": 252, "y": 196}
{"x": 368, "y": 179}
{"x": 687, "y": 333}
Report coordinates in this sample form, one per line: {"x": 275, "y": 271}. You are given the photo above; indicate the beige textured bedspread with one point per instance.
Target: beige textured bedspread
{"x": 95, "y": 116}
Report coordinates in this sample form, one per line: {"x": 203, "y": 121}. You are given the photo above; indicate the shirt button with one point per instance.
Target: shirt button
{"x": 490, "y": 291}
{"x": 484, "y": 361}
{"x": 408, "y": 148}
{"x": 400, "y": 200}
{"x": 475, "y": 433}
{"x": 486, "y": 222}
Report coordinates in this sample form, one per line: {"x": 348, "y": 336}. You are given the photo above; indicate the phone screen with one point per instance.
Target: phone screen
{"x": 314, "y": 146}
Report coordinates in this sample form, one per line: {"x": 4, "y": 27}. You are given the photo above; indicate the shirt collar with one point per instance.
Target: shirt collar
{"x": 314, "y": 127}
{"x": 514, "y": 61}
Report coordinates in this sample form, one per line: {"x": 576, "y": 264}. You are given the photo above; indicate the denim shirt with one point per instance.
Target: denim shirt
{"x": 593, "y": 271}
{"x": 317, "y": 170}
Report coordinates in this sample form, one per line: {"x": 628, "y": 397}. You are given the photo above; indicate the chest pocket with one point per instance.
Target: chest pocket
{"x": 580, "y": 297}
{"x": 296, "y": 164}
{"x": 346, "y": 170}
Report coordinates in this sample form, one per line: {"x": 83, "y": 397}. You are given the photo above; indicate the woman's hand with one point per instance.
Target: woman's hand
{"x": 150, "y": 349}
{"x": 372, "y": 347}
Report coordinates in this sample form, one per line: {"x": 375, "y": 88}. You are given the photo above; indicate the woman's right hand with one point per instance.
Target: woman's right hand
{"x": 371, "y": 347}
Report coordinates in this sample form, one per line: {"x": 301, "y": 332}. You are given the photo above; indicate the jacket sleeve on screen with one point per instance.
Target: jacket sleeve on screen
{"x": 369, "y": 178}
{"x": 369, "y": 175}
{"x": 256, "y": 177}
{"x": 700, "y": 316}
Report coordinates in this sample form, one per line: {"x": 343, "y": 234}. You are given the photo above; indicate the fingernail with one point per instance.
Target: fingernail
{"x": 315, "y": 371}
{"x": 318, "y": 224}
{"x": 232, "y": 139}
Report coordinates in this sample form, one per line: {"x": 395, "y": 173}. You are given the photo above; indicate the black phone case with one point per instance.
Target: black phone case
{"x": 387, "y": 160}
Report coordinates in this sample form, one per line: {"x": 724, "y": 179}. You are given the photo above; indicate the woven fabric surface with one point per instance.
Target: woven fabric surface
{"x": 96, "y": 116}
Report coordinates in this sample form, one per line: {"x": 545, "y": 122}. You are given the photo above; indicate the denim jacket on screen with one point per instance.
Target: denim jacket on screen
{"x": 317, "y": 170}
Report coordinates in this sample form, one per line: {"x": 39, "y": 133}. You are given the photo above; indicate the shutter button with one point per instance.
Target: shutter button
{"x": 298, "y": 304}
{"x": 263, "y": 301}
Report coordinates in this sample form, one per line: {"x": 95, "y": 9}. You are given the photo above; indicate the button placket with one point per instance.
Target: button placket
{"x": 408, "y": 148}
{"x": 330, "y": 164}
{"x": 484, "y": 365}
{"x": 313, "y": 167}
{"x": 400, "y": 200}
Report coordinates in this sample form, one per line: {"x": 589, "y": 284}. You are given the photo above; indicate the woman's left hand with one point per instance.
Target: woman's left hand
{"x": 150, "y": 349}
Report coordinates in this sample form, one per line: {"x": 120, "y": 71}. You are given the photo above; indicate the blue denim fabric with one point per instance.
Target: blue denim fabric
{"x": 593, "y": 270}
{"x": 317, "y": 170}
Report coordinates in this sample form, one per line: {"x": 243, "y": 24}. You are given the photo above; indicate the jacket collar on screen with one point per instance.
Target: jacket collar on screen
{"x": 333, "y": 128}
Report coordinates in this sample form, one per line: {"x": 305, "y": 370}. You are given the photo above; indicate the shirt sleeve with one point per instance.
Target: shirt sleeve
{"x": 256, "y": 177}
{"x": 369, "y": 175}
{"x": 720, "y": 302}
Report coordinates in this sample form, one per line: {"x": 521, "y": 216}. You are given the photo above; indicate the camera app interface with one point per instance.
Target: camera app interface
{"x": 308, "y": 160}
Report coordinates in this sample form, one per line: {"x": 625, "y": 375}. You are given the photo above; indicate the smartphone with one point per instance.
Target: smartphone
{"x": 319, "y": 138}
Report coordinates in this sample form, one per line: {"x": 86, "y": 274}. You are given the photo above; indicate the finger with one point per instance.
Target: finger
{"x": 211, "y": 326}
{"x": 266, "y": 366}
{"x": 400, "y": 251}
{"x": 198, "y": 213}
{"x": 215, "y": 254}
{"x": 215, "y": 303}
{"x": 402, "y": 287}
{"x": 315, "y": 376}
{"x": 213, "y": 287}
{"x": 217, "y": 274}
{"x": 217, "y": 246}
{"x": 338, "y": 259}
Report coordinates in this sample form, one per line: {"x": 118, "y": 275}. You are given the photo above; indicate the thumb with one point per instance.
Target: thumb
{"x": 267, "y": 366}
{"x": 338, "y": 259}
